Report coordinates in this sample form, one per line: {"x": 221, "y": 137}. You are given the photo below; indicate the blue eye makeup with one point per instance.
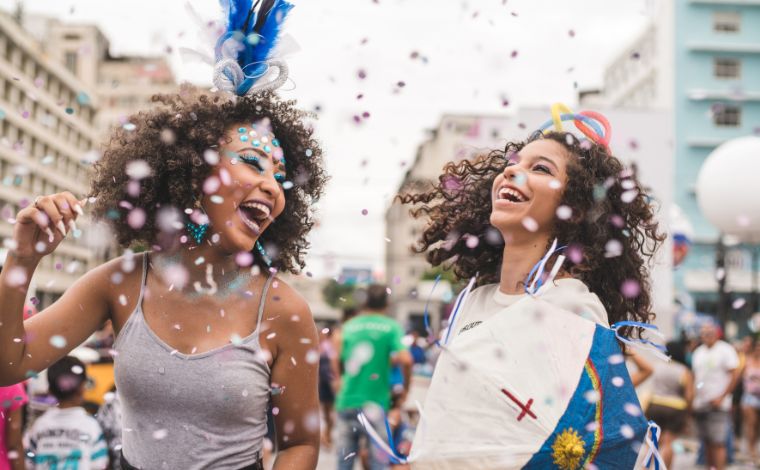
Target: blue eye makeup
{"x": 252, "y": 160}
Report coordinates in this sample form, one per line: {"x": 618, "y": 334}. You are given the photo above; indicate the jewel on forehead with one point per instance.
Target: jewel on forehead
{"x": 256, "y": 143}
{"x": 264, "y": 139}
{"x": 253, "y": 133}
{"x": 267, "y": 149}
{"x": 242, "y": 130}
{"x": 275, "y": 142}
{"x": 244, "y": 138}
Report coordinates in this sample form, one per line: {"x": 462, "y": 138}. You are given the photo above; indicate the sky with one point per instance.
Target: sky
{"x": 452, "y": 56}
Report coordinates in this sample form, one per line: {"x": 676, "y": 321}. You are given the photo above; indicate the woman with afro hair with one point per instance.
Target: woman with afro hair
{"x": 217, "y": 189}
{"x": 492, "y": 220}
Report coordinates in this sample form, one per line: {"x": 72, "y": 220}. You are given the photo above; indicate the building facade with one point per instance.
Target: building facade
{"x": 700, "y": 60}
{"x": 641, "y": 74}
{"x": 716, "y": 98}
{"x": 60, "y": 93}
{"x": 48, "y": 128}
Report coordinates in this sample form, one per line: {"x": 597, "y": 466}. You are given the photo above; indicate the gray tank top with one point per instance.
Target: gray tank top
{"x": 190, "y": 411}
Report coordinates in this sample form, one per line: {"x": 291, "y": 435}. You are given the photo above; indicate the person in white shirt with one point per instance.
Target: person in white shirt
{"x": 716, "y": 373}
{"x": 66, "y": 437}
{"x": 492, "y": 218}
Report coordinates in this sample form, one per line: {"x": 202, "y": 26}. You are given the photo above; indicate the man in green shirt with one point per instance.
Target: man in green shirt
{"x": 371, "y": 345}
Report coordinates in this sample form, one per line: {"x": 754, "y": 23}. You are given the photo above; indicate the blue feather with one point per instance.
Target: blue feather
{"x": 256, "y": 31}
{"x": 238, "y": 12}
{"x": 270, "y": 29}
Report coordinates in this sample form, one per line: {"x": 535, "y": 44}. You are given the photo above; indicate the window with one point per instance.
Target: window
{"x": 71, "y": 61}
{"x": 727, "y": 115}
{"x": 727, "y": 67}
{"x": 727, "y": 21}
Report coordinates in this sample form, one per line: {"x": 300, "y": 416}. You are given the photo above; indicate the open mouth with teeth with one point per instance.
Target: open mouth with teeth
{"x": 511, "y": 195}
{"x": 254, "y": 215}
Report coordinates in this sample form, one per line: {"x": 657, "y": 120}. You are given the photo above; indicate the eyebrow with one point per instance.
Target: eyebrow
{"x": 279, "y": 164}
{"x": 546, "y": 159}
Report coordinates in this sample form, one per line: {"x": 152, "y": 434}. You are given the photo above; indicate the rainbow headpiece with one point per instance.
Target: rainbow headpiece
{"x": 593, "y": 125}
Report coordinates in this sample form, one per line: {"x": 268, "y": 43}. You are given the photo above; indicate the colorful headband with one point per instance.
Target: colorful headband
{"x": 244, "y": 53}
{"x": 592, "y": 124}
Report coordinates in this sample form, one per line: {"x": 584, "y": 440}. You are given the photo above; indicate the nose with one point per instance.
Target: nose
{"x": 269, "y": 185}
{"x": 514, "y": 173}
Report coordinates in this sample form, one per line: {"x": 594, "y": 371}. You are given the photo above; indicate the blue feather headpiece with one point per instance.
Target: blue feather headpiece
{"x": 244, "y": 53}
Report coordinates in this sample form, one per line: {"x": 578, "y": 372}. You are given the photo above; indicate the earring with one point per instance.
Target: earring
{"x": 197, "y": 231}
{"x": 263, "y": 254}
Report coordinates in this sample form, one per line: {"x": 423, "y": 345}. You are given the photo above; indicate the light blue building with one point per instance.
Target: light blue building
{"x": 716, "y": 93}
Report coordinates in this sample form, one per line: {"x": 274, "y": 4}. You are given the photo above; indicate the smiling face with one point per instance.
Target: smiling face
{"x": 244, "y": 194}
{"x": 526, "y": 194}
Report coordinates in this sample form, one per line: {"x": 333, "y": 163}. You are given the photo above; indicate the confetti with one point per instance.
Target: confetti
{"x": 630, "y": 289}
{"x": 211, "y": 156}
{"x": 58, "y": 341}
{"x": 136, "y": 218}
{"x": 138, "y": 169}
{"x": 564, "y": 212}
{"x": 530, "y": 224}
{"x": 613, "y": 248}
{"x": 738, "y": 303}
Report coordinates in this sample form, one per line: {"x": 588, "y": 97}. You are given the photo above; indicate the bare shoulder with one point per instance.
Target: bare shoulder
{"x": 287, "y": 314}
{"x": 282, "y": 299}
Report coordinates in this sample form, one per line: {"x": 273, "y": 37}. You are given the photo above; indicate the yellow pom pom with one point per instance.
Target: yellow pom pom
{"x": 567, "y": 450}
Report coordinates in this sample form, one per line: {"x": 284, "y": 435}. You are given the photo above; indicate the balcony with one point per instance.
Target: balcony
{"x": 726, "y": 2}
{"x": 734, "y": 94}
{"x": 746, "y": 48}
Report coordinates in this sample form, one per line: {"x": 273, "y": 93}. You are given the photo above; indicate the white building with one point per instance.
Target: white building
{"x": 641, "y": 74}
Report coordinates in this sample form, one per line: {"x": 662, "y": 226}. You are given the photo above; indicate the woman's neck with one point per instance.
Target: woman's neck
{"x": 205, "y": 266}
{"x": 518, "y": 259}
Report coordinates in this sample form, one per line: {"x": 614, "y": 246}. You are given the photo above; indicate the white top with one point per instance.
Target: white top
{"x": 713, "y": 368}
{"x": 66, "y": 438}
{"x": 535, "y": 348}
{"x": 570, "y": 293}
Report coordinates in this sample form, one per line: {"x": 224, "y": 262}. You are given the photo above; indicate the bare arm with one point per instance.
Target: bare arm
{"x": 644, "y": 369}
{"x": 295, "y": 372}
{"x": 25, "y": 346}
{"x": 404, "y": 360}
{"x": 13, "y": 433}
{"x": 688, "y": 386}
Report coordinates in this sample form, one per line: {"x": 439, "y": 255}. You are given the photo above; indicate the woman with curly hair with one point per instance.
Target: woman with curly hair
{"x": 219, "y": 188}
{"x": 512, "y": 346}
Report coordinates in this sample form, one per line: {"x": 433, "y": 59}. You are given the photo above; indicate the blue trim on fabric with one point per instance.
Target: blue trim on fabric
{"x": 616, "y": 450}
{"x": 99, "y": 454}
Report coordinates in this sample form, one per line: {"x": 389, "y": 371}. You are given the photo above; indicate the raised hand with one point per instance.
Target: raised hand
{"x": 41, "y": 226}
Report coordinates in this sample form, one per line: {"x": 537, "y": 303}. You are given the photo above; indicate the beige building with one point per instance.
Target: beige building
{"x": 60, "y": 91}
{"x": 457, "y": 137}
{"x": 48, "y": 126}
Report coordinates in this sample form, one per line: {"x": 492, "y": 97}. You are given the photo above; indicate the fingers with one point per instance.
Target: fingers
{"x": 57, "y": 213}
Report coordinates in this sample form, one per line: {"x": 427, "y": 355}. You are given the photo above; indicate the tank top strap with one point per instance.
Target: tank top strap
{"x": 262, "y": 301}
{"x": 144, "y": 279}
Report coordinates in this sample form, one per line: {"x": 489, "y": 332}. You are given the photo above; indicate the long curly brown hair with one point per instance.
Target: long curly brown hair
{"x": 172, "y": 138}
{"x": 611, "y": 236}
